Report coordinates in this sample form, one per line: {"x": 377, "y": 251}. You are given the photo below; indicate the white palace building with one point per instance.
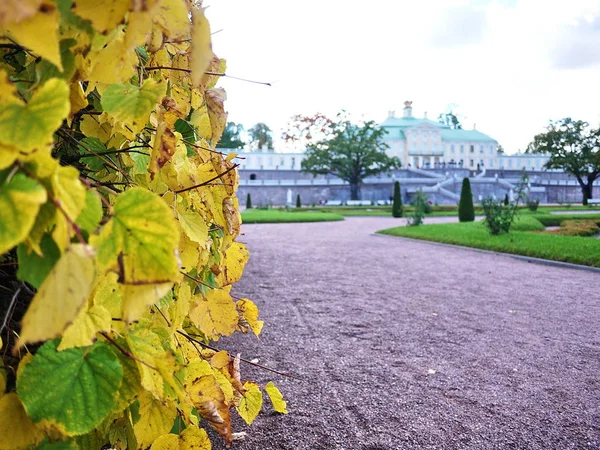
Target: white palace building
{"x": 419, "y": 143}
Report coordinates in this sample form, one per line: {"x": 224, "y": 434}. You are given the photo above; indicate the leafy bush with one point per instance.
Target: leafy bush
{"x": 397, "y": 209}
{"x": 532, "y": 205}
{"x": 418, "y": 215}
{"x": 248, "y": 201}
{"x": 554, "y": 220}
{"x": 117, "y": 230}
{"x": 498, "y": 217}
{"x": 466, "y": 212}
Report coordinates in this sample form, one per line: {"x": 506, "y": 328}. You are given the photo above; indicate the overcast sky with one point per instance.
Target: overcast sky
{"x": 509, "y": 66}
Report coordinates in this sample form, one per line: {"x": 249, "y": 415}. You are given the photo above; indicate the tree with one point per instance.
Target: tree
{"x": 303, "y": 131}
{"x": 298, "y": 201}
{"x": 105, "y": 305}
{"x": 505, "y": 199}
{"x": 397, "y": 209}
{"x": 248, "y": 201}
{"x": 450, "y": 119}
{"x": 231, "y": 136}
{"x": 466, "y": 212}
{"x": 352, "y": 152}
{"x": 260, "y": 137}
{"x": 573, "y": 147}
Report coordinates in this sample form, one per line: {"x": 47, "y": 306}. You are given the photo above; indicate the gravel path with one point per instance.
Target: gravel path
{"x": 402, "y": 344}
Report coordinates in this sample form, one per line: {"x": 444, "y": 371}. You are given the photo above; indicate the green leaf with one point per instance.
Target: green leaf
{"x": 279, "y": 404}
{"x": 34, "y": 268}
{"x": 251, "y": 402}
{"x": 131, "y": 105}
{"x": 88, "y": 146}
{"x": 188, "y": 133}
{"x": 31, "y": 125}
{"x": 20, "y": 200}
{"x": 46, "y": 70}
{"x": 74, "y": 389}
{"x": 64, "y": 445}
{"x": 144, "y": 232}
{"x": 91, "y": 215}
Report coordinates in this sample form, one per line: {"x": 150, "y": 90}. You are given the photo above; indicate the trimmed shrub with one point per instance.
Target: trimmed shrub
{"x": 248, "y": 201}
{"x": 466, "y": 212}
{"x": 298, "y": 202}
{"x": 505, "y": 199}
{"x": 397, "y": 209}
{"x": 418, "y": 215}
{"x": 533, "y": 205}
{"x": 577, "y": 228}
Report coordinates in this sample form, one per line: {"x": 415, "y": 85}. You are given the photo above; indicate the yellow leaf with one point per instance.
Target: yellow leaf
{"x": 140, "y": 240}
{"x": 192, "y": 438}
{"x": 201, "y": 47}
{"x": 194, "y": 226}
{"x": 77, "y": 98}
{"x": 39, "y": 33}
{"x": 30, "y": 126}
{"x": 215, "y": 99}
{"x": 67, "y": 188}
{"x": 112, "y": 63}
{"x": 279, "y": 404}
{"x": 96, "y": 126}
{"x": 7, "y": 89}
{"x": 173, "y": 19}
{"x": 220, "y": 359}
{"x": 104, "y": 15}
{"x": 83, "y": 330}
{"x": 235, "y": 258}
{"x": 131, "y": 105}
{"x": 156, "y": 419}
{"x": 250, "y": 313}
{"x": 201, "y": 120}
{"x": 17, "y": 10}
{"x": 146, "y": 346}
{"x": 108, "y": 295}
{"x": 139, "y": 27}
{"x": 17, "y": 431}
{"x": 137, "y": 298}
{"x": 60, "y": 297}
{"x": 189, "y": 253}
{"x": 20, "y": 200}
{"x": 251, "y": 402}
{"x": 163, "y": 148}
{"x": 215, "y": 314}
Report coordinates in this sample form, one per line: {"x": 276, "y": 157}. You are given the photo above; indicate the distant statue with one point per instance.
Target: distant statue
{"x": 408, "y": 104}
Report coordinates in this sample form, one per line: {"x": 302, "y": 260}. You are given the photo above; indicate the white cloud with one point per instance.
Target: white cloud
{"x": 509, "y": 65}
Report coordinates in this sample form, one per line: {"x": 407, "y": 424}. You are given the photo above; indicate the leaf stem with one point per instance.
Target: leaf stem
{"x": 125, "y": 351}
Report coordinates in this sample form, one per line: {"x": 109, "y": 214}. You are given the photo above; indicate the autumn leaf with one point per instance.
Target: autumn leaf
{"x": 104, "y": 15}
{"x": 162, "y": 149}
{"x": 215, "y": 314}
{"x": 20, "y": 200}
{"x": 60, "y": 297}
{"x": 249, "y": 312}
{"x": 215, "y": 99}
{"x": 251, "y": 402}
{"x": 201, "y": 47}
{"x": 279, "y": 404}
{"x": 16, "y": 428}
{"x": 143, "y": 235}
{"x": 192, "y": 438}
{"x": 28, "y": 126}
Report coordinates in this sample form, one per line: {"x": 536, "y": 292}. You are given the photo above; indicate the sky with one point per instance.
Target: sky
{"x": 507, "y": 67}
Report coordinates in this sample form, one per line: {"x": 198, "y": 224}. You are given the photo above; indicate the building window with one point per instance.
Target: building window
{"x": 491, "y": 163}
{"x": 491, "y": 148}
{"x": 470, "y": 163}
{"x": 293, "y": 162}
{"x": 481, "y": 149}
{"x": 509, "y": 164}
{"x": 452, "y": 148}
{"x": 462, "y": 148}
{"x": 253, "y": 176}
{"x": 472, "y": 148}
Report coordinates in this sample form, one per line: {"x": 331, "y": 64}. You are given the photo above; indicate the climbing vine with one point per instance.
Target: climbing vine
{"x": 117, "y": 230}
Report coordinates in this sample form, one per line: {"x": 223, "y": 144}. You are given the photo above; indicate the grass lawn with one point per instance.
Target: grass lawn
{"x": 520, "y": 241}
{"x": 282, "y": 216}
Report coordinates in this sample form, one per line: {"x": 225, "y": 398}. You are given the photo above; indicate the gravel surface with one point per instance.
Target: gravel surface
{"x": 401, "y": 344}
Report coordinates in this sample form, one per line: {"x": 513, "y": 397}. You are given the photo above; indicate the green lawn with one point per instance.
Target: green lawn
{"x": 282, "y": 216}
{"x": 520, "y": 241}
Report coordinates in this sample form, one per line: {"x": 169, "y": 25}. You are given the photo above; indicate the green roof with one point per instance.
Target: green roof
{"x": 395, "y": 127}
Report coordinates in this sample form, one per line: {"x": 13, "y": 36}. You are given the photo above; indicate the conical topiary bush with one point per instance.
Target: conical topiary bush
{"x": 397, "y": 209}
{"x": 466, "y": 212}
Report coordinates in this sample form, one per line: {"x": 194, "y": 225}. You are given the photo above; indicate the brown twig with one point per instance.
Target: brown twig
{"x": 208, "y": 181}
{"x": 192, "y": 339}
{"x": 125, "y": 351}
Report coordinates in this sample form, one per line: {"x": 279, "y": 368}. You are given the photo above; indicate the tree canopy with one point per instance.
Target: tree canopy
{"x": 450, "y": 119}
{"x": 573, "y": 146}
{"x": 260, "y": 137}
{"x": 231, "y": 136}
{"x": 351, "y": 152}
{"x": 303, "y": 131}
